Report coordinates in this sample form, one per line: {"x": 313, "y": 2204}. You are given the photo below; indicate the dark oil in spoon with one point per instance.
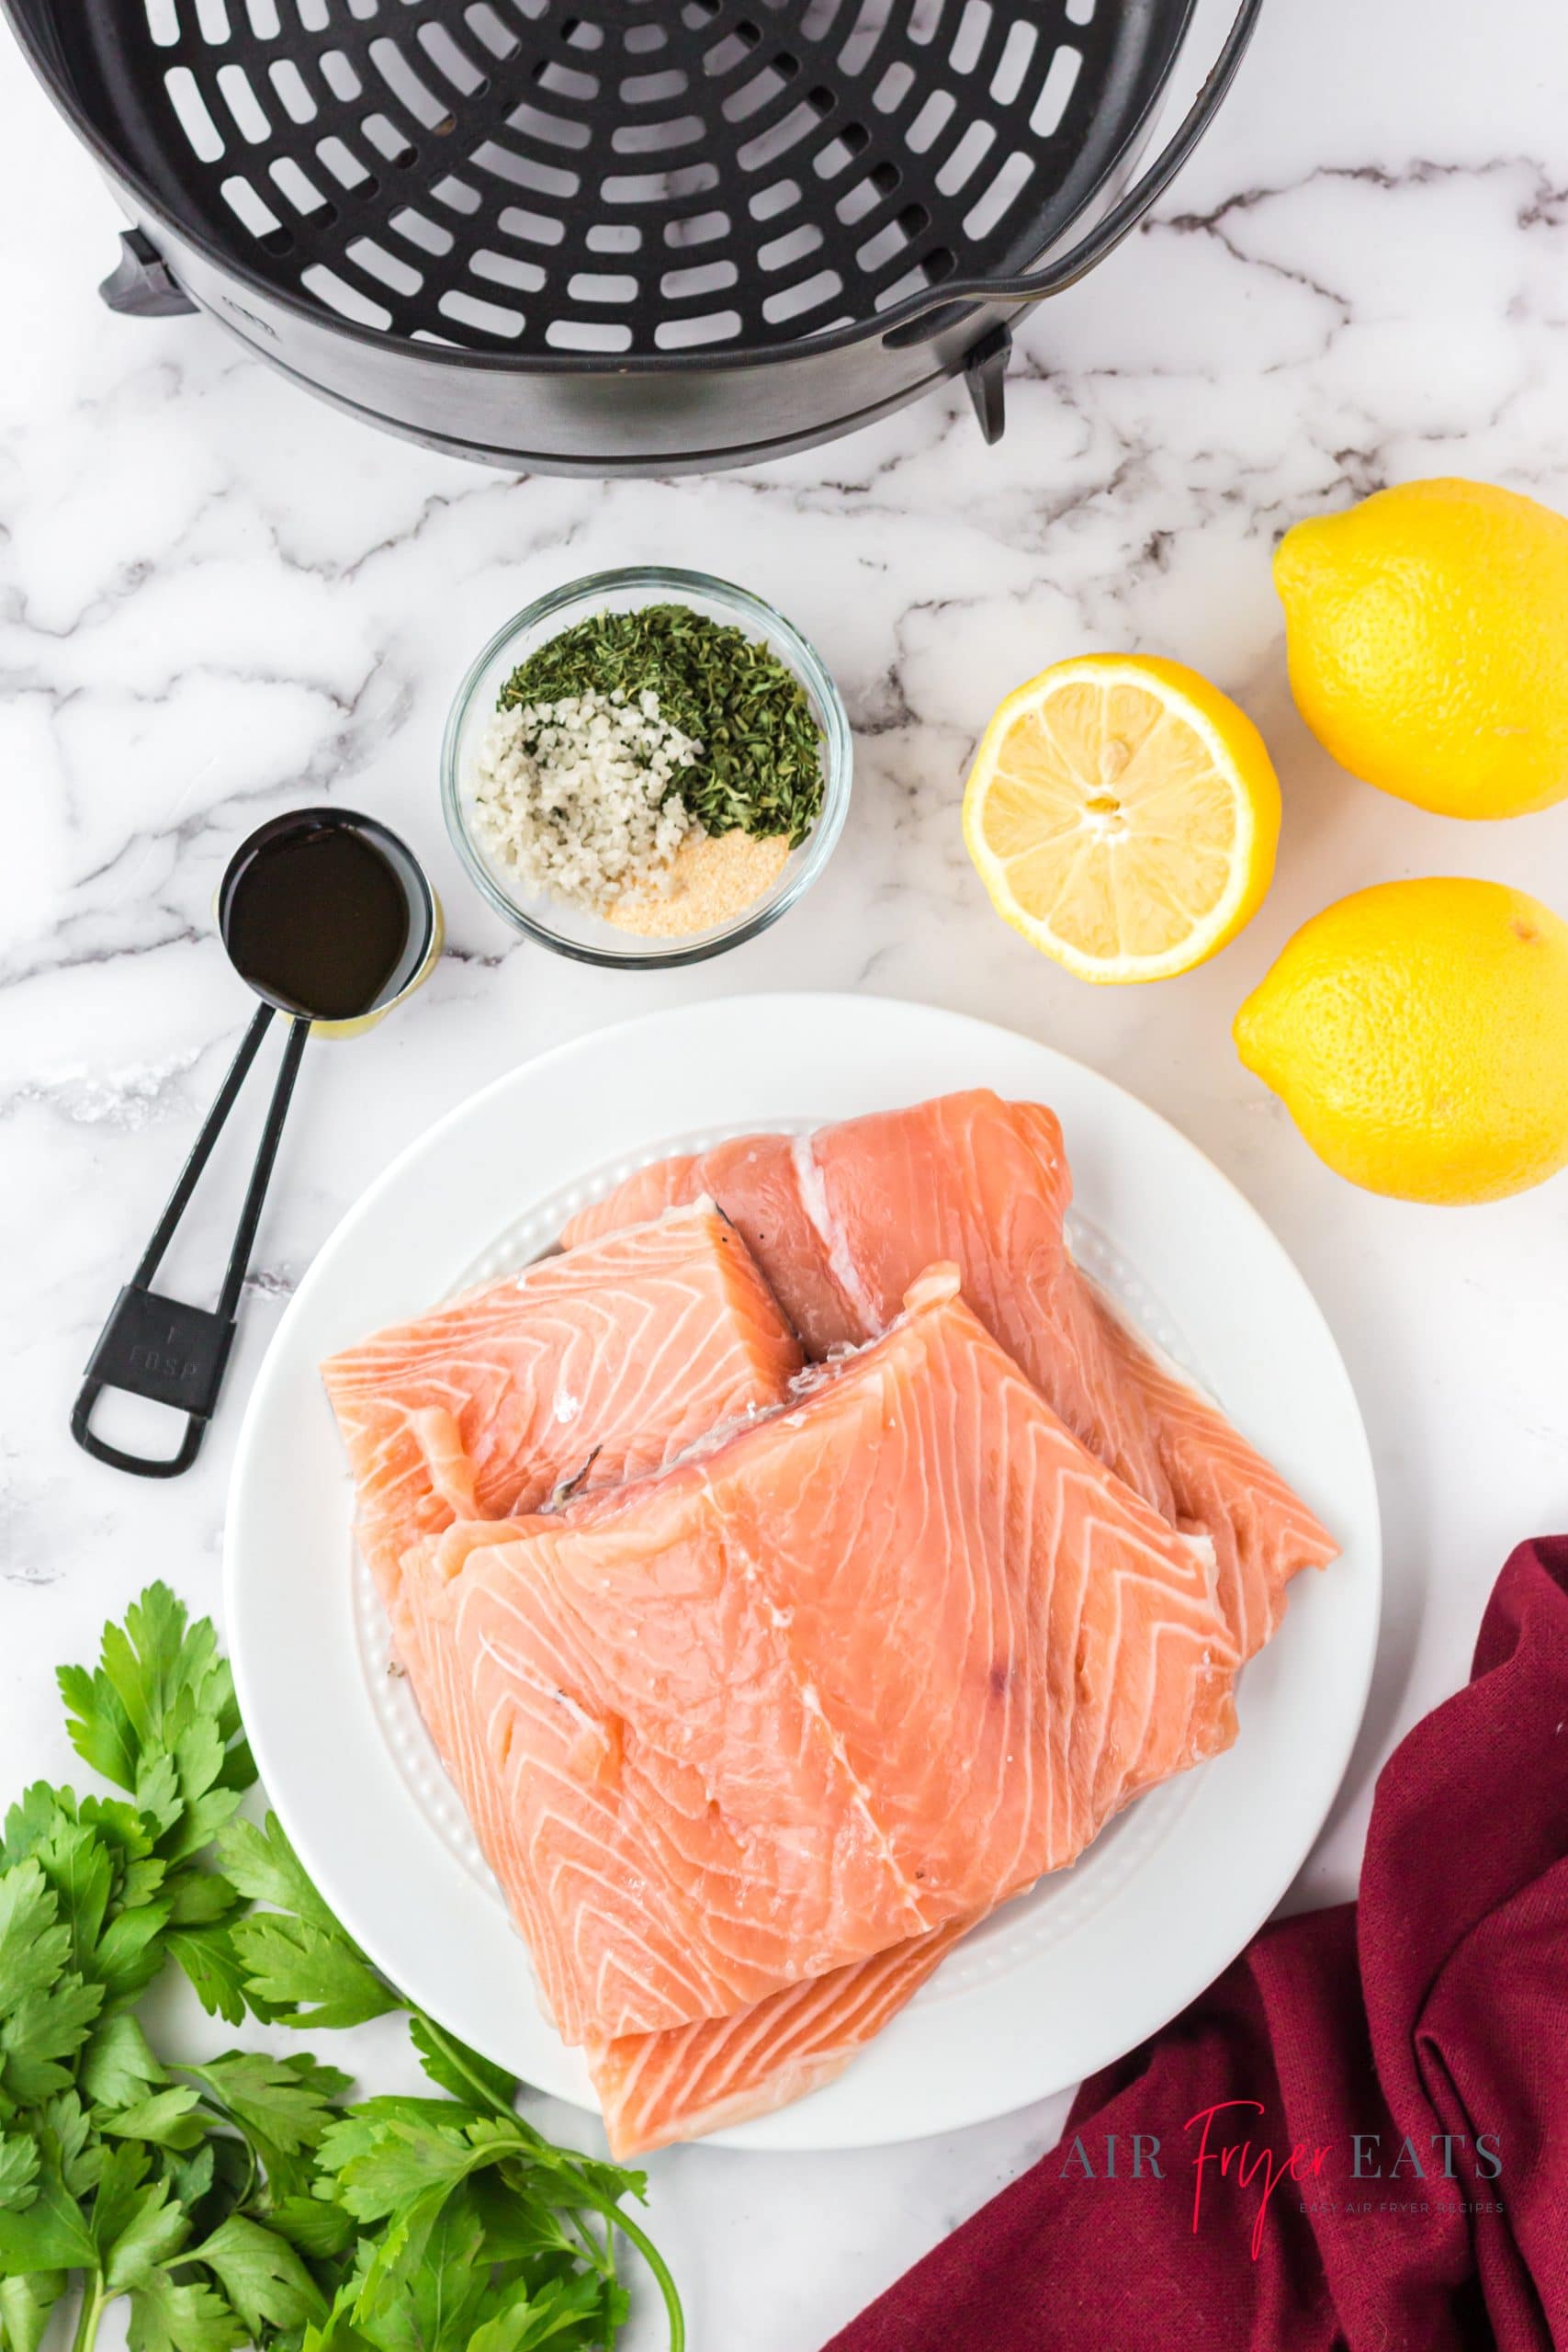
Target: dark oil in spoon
{"x": 316, "y": 920}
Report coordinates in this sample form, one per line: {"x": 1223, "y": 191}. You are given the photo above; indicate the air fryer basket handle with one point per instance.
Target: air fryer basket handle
{"x": 1053, "y": 276}
{"x": 140, "y": 285}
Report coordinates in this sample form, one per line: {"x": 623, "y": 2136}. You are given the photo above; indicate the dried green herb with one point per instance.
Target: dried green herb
{"x": 761, "y": 766}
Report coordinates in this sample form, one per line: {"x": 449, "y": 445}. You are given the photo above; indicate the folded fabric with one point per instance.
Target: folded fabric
{"x": 1411, "y": 2052}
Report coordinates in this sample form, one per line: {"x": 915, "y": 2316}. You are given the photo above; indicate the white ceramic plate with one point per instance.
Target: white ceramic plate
{"x": 1061, "y": 1981}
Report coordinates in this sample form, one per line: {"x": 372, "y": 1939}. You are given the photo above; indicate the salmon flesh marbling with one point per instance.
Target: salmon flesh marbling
{"x": 863, "y": 1667}
{"x": 762, "y": 1687}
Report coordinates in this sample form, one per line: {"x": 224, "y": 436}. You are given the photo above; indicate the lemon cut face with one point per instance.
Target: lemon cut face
{"x": 1122, "y": 815}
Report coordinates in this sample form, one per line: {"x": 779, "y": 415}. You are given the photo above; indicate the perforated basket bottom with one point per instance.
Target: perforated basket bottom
{"x": 649, "y": 177}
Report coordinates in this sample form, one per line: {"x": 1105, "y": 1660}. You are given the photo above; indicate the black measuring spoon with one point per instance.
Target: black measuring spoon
{"x": 328, "y": 917}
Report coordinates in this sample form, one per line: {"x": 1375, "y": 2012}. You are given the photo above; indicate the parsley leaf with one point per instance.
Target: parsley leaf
{"x": 65, "y": 2137}
{"x": 117, "y": 2065}
{"x": 456, "y": 2068}
{"x": 42, "y": 2030}
{"x": 33, "y": 1945}
{"x": 384, "y": 2161}
{"x": 578, "y": 2310}
{"x": 215, "y": 1970}
{"x": 288, "y": 2102}
{"x": 130, "y": 1952}
{"x": 159, "y": 1679}
{"x": 79, "y": 1867}
{"x": 282, "y": 2106}
{"x": 300, "y": 1964}
{"x": 262, "y": 2276}
{"x": 29, "y": 1820}
{"x": 166, "y": 2119}
{"x": 309, "y": 1975}
{"x": 262, "y": 1864}
{"x": 19, "y": 2171}
{"x": 440, "y": 2300}
{"x": 121, "y": 1826}
{"x": 198, "y": 1897}
{"x": 52, "y": 2235}
{"x": 319, "y": 2229}
{"x": 190, "y": 2318}
{"x": 240, "y": 2200}
{"x": 25, "y": 2308}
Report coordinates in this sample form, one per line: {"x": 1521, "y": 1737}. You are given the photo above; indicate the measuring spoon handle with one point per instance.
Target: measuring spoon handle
{"x": 160, "y": 1348}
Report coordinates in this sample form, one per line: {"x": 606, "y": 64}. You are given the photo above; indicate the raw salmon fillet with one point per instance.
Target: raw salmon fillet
{"x": 840, "y": 1222}
{"x": 611, "y": 1358}
{"x": 655, "y": 2087}
{"x": 859, "y": 1669}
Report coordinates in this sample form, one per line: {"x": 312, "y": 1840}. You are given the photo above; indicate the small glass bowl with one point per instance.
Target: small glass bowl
{"x": 572, "y": 931}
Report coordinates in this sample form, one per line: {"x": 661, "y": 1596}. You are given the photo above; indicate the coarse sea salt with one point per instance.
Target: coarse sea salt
{"x": 579, "y": 799}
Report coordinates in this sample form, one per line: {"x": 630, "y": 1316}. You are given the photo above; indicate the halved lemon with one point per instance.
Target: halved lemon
{"x": 1122, "y": 813}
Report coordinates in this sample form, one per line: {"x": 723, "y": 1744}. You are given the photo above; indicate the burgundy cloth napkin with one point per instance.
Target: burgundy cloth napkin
{"x": 1431, "y": 2019}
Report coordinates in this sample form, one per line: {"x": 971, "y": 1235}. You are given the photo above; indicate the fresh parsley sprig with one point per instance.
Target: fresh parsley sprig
{"x": 243, "y": 2200}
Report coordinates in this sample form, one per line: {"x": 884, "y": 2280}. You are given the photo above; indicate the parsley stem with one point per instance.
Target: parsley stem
{"x": 93, "y": 2302}
{"x": 601, "y": 2257}
{"x": 660, "y": 2268}
{"x": 215, "y": 2106}
{"x": 457, "y": 2057}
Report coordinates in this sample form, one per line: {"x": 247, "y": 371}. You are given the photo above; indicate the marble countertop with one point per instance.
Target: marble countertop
{"x": 218, "y": 599}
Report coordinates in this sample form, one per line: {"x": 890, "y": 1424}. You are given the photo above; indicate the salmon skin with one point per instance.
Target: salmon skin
{"x": 855, "y": 1671}
{"x": 607, "y": 1359}
{"x": 842, "y": 1221}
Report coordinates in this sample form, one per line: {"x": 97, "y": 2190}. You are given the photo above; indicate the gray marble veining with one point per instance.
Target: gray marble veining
{"x": 218, "y": 598}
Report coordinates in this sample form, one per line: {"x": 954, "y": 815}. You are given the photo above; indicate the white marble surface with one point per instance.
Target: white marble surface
{"x": 218, "y": 599}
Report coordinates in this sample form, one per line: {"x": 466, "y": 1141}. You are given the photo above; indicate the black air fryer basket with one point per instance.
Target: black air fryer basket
{"x": 620, "y": 235}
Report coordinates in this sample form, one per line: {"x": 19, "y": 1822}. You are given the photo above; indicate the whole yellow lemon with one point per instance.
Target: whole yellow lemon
{"x": 1427, "y": 633}
{"x": 1418, "y": 1033}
